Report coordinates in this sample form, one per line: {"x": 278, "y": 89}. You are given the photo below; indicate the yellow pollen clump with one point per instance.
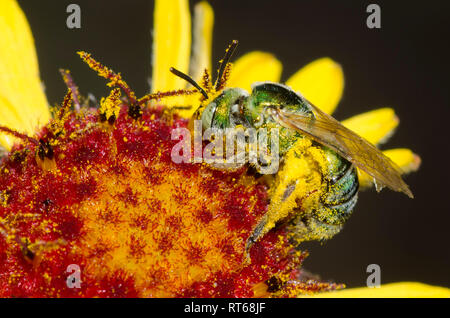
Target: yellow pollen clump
{"x": 110, "y": 106}
{"x": 298, "y": 184}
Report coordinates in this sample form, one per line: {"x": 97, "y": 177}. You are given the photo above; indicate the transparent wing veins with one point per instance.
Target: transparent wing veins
{"x": 329, "y": 132}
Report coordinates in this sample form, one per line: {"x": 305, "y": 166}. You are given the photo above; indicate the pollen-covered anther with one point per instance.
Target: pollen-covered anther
{"x": 110, "y": 106}
{"x": 45, "y": 157}
{"x": 225, "y": 76}
{"x": 135, "y": 105}
{"x": 103, "y": 71}
{"x": 68, "y": 80}
{"x": 135, "y": 111}
{"x": 57, "y": 126}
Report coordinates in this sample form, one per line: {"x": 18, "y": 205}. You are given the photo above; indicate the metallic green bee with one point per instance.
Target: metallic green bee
{"x": 273, "y": 105}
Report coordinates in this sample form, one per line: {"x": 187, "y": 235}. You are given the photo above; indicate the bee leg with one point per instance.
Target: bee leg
{"x": 304, "y": 229}
{"x": 291, "y": 188}
{"x": 256, "y": 234}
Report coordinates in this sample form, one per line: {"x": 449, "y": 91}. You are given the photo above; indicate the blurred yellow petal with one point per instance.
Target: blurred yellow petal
{"x": 405, "y": 159}
{"x": 254, "y": 67}
{"x": 202, "y": 47}
{"x": 171, "y": 43}
{"x": 23, "y": 105}
{"x": 393, "y": 290}
{"x": 376, "y": 126}
{"x": 9, "y": 117}
{"x": 321, "y": 82}
{"x": 202, "y": 44}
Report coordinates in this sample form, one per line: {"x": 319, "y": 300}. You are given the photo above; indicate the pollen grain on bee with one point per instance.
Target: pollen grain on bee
{"x": 228, "y": 148}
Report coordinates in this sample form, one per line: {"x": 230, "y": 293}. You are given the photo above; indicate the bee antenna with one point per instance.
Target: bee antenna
{"x": 224, "y": 62}
{"x": 190, "y": 80}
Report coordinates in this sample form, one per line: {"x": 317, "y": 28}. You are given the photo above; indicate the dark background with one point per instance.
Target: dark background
{"x": 403, "y": 65}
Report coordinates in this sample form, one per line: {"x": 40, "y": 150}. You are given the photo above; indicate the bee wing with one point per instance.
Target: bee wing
{"x": 329, "y": 132}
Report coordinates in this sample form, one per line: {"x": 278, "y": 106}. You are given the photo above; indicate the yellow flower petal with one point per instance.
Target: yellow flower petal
{"x": 394, "y": 290}
{"x": 23, "y": 105}
{"x": 255, "y": 67}
{"x": 321, "y": 82}
{"x": 171, "y": 43}
{"x": 201, "y": 58}
{"x": 404, "y": 158}
{"x": 9, "y": 117}
{"x": 203, "y": 29}
{"x": 376, "y": 126}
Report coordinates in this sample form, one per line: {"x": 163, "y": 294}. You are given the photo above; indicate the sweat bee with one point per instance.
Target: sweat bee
{"x": 318, "y": 210}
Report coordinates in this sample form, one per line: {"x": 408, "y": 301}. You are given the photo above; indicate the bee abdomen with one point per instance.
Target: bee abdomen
{"x": 343, "y": 189}
{"x": 338, "y": 201}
